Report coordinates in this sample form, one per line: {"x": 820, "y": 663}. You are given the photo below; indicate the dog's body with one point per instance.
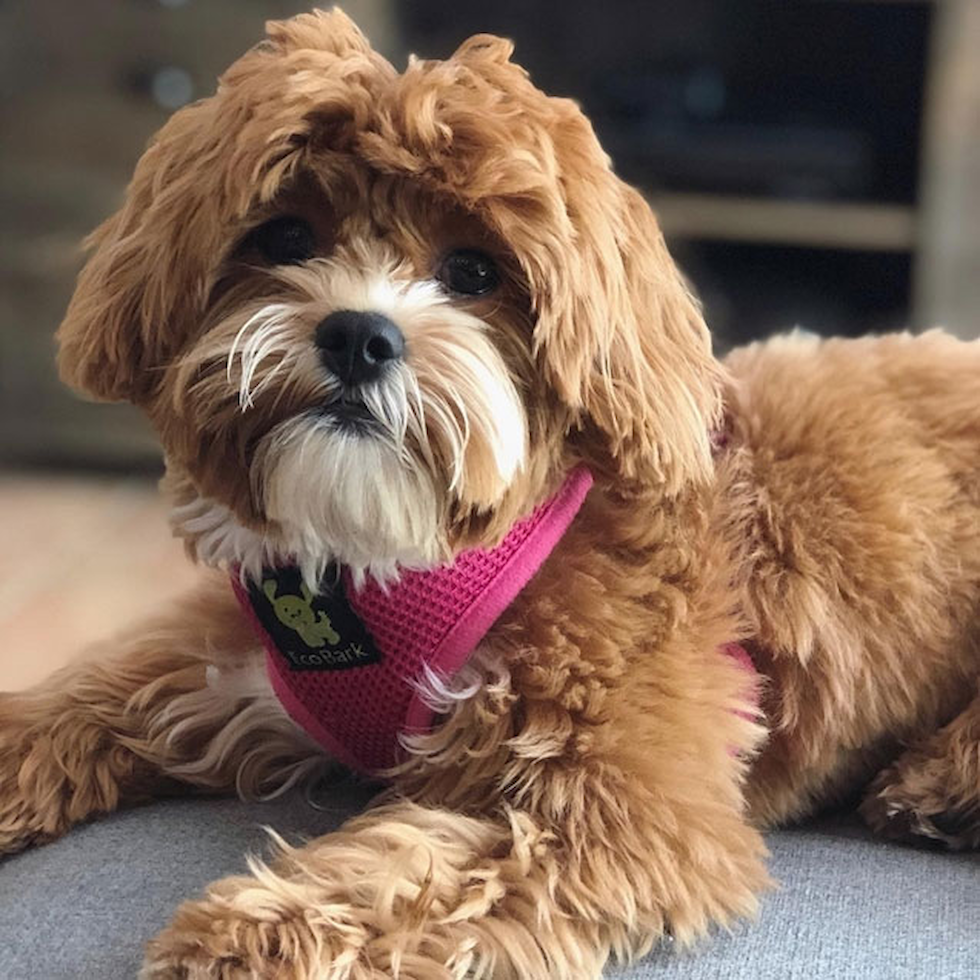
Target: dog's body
{"x": 602, "y": 768}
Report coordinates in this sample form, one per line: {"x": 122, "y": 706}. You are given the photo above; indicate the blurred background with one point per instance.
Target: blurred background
{"x": 813, "y": 163}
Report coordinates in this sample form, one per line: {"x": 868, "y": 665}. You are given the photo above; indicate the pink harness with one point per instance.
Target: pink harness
{"x": 347, "y": 665}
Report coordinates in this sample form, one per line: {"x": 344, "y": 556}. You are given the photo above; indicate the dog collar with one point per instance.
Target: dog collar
{"x": 348, "y": 663}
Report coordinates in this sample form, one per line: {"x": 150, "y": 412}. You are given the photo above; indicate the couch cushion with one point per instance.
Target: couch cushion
{"x": 849, "y": 908}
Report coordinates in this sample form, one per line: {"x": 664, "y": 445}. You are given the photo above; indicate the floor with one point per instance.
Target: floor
{"x": 81, "y": 557}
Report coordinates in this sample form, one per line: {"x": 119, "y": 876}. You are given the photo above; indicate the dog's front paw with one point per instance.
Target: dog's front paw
{"x": 210, "y": 940}
{"x": 246, "y": 930}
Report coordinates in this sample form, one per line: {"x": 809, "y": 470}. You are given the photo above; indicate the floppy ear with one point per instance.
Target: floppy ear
{"x": 124, "y": 313}
{"x": 269, "y": 588}
{"x": 146, "y": 279}
{"x": 619, "y": 336}
{"x": 150, "y": 271}
{"x": 623, "y": 339}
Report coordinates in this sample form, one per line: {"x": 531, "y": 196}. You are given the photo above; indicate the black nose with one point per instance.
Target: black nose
{"x": 357, "y": 346}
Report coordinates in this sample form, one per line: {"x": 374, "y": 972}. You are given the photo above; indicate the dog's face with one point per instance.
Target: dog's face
{"x": 376, "y": 316}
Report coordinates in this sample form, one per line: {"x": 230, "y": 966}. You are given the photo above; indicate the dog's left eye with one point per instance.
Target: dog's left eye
{"x": 468, "y": 272}
{"x": 285, "y": 241}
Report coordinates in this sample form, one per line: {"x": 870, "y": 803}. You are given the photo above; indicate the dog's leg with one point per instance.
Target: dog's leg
{"x": 149, "y": 716}
{"x": 426, "y": 893}
{"x": 933, "y": 791}
{"x": 80, "y": 745}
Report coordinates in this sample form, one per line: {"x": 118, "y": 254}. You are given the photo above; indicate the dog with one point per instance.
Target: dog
{"x": 386, "y": 323}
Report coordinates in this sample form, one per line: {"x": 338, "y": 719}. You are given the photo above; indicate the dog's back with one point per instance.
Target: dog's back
{"x": 863, "y": 554}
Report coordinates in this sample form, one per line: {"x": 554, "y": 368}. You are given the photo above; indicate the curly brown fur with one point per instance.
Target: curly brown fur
{"x": 141, "y": 719}
{"x": 860, "y": 551}
{"x": 603, "y": 780}
{"x": 931, "y": 790}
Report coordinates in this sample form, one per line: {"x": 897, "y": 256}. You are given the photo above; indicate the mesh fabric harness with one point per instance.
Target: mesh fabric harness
{"x": 358, "y": 696}
{"x": 347, "y": 664}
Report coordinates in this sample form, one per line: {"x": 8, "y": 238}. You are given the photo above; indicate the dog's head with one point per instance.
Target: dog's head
{"x": 375, "y": 316}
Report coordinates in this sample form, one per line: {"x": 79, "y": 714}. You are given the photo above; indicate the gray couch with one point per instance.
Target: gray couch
{"x": 849, "y": 908}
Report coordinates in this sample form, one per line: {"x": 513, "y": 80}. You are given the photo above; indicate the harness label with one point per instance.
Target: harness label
{"x": 313, "y": 632}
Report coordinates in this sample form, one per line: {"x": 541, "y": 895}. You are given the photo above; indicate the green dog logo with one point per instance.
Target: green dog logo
{"x": 298, "y": 614}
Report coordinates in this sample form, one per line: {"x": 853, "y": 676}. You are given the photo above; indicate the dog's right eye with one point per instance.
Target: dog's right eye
{"x": 468, "y": 272}
{"x": 284, "y": 241}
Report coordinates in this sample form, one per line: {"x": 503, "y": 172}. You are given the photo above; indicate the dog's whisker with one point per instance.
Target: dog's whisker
{"x": 415, "y": 425}
{"x": 263, "y": 334}
{"x": 445, "y": 422}
{"x": 260, "y": 315}
{"x": 266, "y": 381}
{"x": 233, "y": 349}
{"x": 253, "y": 358}
{"x": 271, "y": 341}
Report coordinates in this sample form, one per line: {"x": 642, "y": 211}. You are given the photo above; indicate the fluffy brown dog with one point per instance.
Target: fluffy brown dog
{"x": 605, "y": 779}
